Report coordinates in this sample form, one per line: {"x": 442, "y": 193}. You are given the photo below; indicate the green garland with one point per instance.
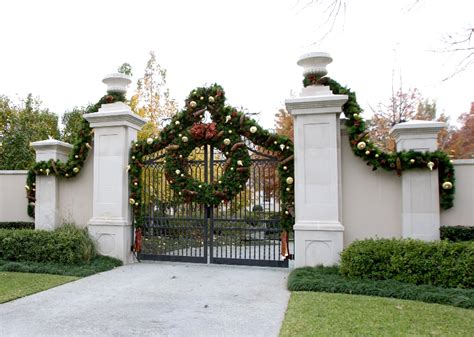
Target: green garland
{"x": 186, "y": 132}
{"x": 399, "y": 161}
{"x": 77, "y": 156}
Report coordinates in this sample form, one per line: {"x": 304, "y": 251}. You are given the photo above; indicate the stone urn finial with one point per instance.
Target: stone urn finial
{"x": 315, "y": 64}
{"x": 117, "y": 82}
{"x": 314, "y": 68}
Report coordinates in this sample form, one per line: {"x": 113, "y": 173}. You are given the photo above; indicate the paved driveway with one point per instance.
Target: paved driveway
{"x": 156, "y": 299}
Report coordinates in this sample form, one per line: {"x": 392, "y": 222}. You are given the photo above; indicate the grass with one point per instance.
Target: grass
{"x": 328, "y": 279}
{"x": 322, "y": 314}
{"x": 16, "y": 285}
{"x": 96, "y": 265}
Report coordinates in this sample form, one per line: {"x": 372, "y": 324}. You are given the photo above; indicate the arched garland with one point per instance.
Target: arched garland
{"x": 186, "y": 132}
{"x": 76, "y": 158}
{"x": 399, "y": 161}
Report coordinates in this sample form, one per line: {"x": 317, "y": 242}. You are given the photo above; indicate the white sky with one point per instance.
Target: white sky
{"x": 60, "y": 50}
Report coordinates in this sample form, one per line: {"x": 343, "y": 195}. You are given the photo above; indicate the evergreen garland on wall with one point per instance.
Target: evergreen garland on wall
{"x": 76, "y": 159}
{"x": 389, "y": 161}
{"x": 187, "y": 131}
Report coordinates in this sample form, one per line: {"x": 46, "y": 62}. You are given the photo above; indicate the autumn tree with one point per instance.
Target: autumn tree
{"x": 461, "y": 144}
{"x": 284, "y": 123}
{"x": 152, "y": 98}
{"x": 21, "y": 124}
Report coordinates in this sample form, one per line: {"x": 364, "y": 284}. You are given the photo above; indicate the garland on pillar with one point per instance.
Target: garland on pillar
{"x": 77, "y": 156}
{"x": 390, "y": 161}
{"x": 188, "y": 131}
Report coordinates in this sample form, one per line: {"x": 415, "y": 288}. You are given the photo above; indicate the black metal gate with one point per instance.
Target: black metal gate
{"x": 245, "y": 230}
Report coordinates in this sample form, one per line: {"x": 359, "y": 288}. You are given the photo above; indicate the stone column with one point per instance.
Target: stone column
{"x": 420, "y": 190}
{"x": 318, "y": 227}
{"x": 115, "y": 127}
{"x": 47, "y": 187}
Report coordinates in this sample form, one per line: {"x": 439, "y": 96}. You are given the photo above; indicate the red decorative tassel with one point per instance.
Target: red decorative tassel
{"x": 284, "y": 244}
{"x": 137, "y": 247}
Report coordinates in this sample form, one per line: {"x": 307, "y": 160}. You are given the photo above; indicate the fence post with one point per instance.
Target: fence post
{"x": 115, "y": 127}
{"x": 318, "y": 227}
{"x": 420, "y": 188}
{"x": 47, "y": 186}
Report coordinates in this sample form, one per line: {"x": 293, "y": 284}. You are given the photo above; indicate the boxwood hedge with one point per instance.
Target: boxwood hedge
{"x": 438, "y": 263}
{"x": 457, "y": 233}
{"x": 67, "y": 244}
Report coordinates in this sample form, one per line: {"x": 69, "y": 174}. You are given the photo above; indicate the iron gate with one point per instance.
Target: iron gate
{"x": 245, "y": 230}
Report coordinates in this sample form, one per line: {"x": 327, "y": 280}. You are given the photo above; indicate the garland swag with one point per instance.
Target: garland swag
{"x": 187, "y": 131}
{"x": 389, "y": 161}
{"x": 76, "y": 158}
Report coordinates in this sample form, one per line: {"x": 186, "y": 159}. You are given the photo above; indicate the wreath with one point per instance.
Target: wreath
{"x": 188, "y": 131}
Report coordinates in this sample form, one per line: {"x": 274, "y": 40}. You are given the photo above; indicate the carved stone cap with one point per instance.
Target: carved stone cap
{"x": 115, "y": 114}
{"x": 51, "y": 149}
{"x": 316, "y": 104}
{"x": 417, "y": 127}
{"x": 117, "y": 82}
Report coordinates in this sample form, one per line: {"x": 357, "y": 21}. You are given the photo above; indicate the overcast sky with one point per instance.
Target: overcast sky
{"x": 60, "y": 50}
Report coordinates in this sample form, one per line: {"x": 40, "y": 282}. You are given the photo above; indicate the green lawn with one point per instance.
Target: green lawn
{"x": 323, "y": 314}
{"x": 15, "y": 285}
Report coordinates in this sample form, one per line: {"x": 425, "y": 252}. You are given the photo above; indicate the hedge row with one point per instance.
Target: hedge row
{"x": 67, "y": 244}
{"x": 440, "y": 263}
{"x": 329, "y": 279}
{"x": 457, "y": 233}
{"x": 17, "y": 225}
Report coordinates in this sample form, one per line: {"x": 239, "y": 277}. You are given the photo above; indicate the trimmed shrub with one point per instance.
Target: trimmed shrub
{"x": 440, "y": 263}
{"x": 457, "y": 233}
{"x": 329, "y": 279}
{"x": 17, "y": 225}
{"x": 67, "y": 244}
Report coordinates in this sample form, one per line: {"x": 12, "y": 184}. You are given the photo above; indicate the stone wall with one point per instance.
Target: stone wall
{"x": 13, "y": 202}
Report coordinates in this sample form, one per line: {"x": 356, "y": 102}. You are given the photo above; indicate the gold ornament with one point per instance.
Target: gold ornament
{"x": 66, "y": 175}
{"x": 133, "y": 157}
{"x": 253, "y": 129}
{"x": 285, "y": 168}
{"x": 182, "y": 174}
{"x": 131, "y": 201}
{"x": 178, "y": 171}
{"x": 361, "y": 145}
{"x": 376, "y": 155}
{"x": 231, "y": 168}
{"x": 149, "y": 141}
{"x": 47, "y": 172}
{"x": 230, "y": 131}
{"x": 430, "y": 165}
{"x": 220, "y": 181}
{"x": 75, "y": 170}
{"x": 367, "y": 152}
{"x": 27, "y": 187}
{"x": 200, "y": 186}
{"x": 289, "y": 180}
{"x": 88, "y": 146}
{"x": 282, "y": 146}
{"x": 201, "y": 98}
{"x": 127, "y": 168}
{"x": 211, "y": 99}
{"x": 275, "y": 142}
{"x": 286, "y": 212}
{"x": 412, "y": 161}
{"x": 180, "y": 134}
{"x": 184, "y": 139}
{"x": 192, "y": 104}
{"x": 447, "y": 185}
{"x": 76, "y": 156}
{"x": 288, "y": 189}
{"x": 240, "y": 163}
{"x": 226, "y": 141}
{"x": 136, "y": 204}
{"x": 135, "y": 183}
{"x": 177, "y": 123}
{"x": 227, "y": 119}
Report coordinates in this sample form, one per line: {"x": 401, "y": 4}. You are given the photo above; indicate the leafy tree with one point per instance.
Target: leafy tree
{"x": 284, "y": 123}
{"x": 461, "y": 144}
{"x": 71, "y": 121}
{"x": 402, "y": 106}
{"x": 21, "y": 124}
{"x": 152, "y": 99}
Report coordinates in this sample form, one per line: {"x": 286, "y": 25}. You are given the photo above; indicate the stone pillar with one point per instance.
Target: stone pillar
{"x": 47, "y": 187}
{"x": 420, "y": 190}
{"x": 115, "y": 127}
{"x": 318, "y": 227}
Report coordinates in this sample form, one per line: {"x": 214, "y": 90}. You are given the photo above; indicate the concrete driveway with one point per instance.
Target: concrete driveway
{"x": 156, "y": 299}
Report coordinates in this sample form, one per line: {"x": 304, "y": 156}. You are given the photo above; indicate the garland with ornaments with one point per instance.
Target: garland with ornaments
{"x": 389, "y": 161}
{"x": 227, "y": 132}
{"x": 81, "y": 147}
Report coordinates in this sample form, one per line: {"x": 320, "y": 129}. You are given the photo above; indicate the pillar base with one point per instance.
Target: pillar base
{"x": 318, "y": 243}
{"x": 113, "y": 237}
